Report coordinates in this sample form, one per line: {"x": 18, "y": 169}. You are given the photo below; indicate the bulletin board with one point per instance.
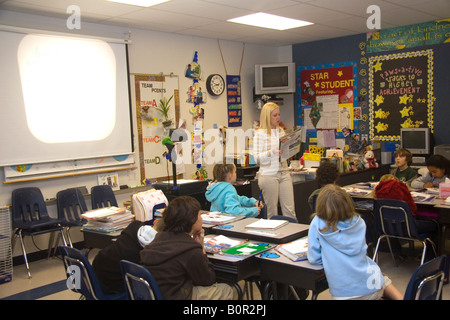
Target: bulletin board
{"x": 147, "y": 91}
{"x": 327, "y": 100}
{"x": 400, "y": 93}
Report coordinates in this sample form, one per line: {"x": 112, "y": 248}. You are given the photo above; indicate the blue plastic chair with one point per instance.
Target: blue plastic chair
{"x": 30, "y": 217}
{"x": 71, "y": 204}
{"x": 279, "y": 217}
{"x": 139, "y": 282}
{"x": 427, "y": 281}
{"x": 394, "y": 219}
{"x": 102, "y": 196}
{"x": 81, "y": 277}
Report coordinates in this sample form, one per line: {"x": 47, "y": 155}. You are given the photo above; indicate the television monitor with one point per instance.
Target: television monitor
{"x": 416, "y": 140}
{"x": 275, "y": 78}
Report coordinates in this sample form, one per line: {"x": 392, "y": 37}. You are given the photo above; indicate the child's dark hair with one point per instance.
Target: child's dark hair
{"x": 326, "y": 173}
{"x": 404, "y": 153}
{"x": 181, "y": 214}
{"x": 438, "y": 161}
{"x": 221, "y": 171}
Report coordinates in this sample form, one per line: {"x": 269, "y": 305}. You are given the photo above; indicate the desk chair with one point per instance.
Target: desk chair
{"x": 279, "y": 217}
{"x": 102, "y": 196}
{"x": 71, "y": 204}
{"x": 394, "y": 219}
{"x": 426, "y": 282}
{"x": 139, "y": 282}
{"x": 81, "y": 277}
{"x": 30, "y": 218}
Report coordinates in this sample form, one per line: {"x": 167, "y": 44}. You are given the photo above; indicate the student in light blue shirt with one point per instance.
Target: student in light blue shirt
{"x": 336, "y": 240}
{"x": 224, "y": 197}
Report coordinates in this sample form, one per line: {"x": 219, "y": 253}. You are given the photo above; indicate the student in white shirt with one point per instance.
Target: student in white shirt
{"x": 274, "y": 178}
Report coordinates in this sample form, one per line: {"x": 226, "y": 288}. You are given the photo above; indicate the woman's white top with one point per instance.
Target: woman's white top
{"x": 266, "y": 151}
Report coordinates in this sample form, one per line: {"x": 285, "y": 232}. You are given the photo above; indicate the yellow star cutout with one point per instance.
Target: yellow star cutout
{"x": 381, "y": 127}
{"x": 404, "y": 99}
{"x": 377, "y": 66}
{"x": 379, "y": 114}
{"x": 405, "y": 111}
{"x": 317, "y": 84}
{"x": 379, "y": 100}
{"x": 340, "y": 73}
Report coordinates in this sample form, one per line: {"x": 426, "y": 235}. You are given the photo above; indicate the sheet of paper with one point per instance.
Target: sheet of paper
{"x": 328, "y": 106}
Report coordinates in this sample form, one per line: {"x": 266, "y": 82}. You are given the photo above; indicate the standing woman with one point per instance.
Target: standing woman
{"x": 274, "y": 178}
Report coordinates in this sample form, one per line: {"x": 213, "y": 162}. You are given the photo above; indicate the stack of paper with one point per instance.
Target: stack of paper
{"x": 218, "y": 218}
{"x": 107, "y": 219}
{"x": 101, "y": 212}
{"x": 296, "y": 250}
{"x": 265, "y": 224}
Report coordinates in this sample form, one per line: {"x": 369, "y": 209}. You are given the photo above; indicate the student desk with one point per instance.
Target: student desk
{"x": 100, "y": 240}
{"x": 287, "y": 233}
{"x": 277, "y": 268}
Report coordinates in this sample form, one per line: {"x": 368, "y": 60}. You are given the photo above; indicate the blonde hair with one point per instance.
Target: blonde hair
{"x": 264, "y": 120}
{"x": 387, "y": 177}
{"x": 221, "y": 171}
{"x": 334, "y": 205}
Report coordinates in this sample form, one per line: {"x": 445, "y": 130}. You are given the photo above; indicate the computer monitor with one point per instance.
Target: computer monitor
{"x": 416, "y": 140}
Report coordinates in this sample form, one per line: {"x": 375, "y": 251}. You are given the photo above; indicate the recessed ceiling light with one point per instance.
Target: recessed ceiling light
{"x": 265, "y": 20}
{"x": 141, "y": 3}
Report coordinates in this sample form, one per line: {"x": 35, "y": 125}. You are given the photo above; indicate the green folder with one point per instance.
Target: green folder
{"x": 247, "y": 249}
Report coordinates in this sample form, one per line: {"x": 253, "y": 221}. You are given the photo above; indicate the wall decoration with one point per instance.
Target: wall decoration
{"x": 401, "y": 93}
{"x": 149, "y": 91}
{"x": 422, "y": 34}
{"x": 234, "y": 101}
{"x": 327, "y": 95}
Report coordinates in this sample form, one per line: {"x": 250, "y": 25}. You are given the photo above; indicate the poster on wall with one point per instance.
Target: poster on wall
{"x": 326, "y": 99}
{"x": 150, "y": 91}
{"x": 401, "y": 93}
{"x": 234, "y": 102}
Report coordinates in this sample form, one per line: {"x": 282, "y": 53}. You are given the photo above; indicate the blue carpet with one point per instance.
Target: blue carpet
{"x": 39, "y": 292}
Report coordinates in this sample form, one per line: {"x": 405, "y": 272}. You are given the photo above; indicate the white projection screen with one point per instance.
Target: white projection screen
{"x": 62, "y": 98}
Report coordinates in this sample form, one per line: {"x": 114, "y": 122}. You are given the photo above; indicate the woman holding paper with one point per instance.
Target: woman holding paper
{"x": 274, "y": 178}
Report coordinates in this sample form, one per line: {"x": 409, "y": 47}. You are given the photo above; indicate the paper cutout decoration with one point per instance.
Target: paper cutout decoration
{"x": 314, "y": 115}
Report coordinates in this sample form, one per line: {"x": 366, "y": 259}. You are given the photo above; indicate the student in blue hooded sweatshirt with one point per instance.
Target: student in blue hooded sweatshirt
{"x": 224, "y": 197}
{"x": 337, "y": 241}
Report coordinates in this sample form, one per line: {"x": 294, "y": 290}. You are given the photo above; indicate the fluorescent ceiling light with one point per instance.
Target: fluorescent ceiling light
{"x": 141, "y": 3}
{"x": 265, "y": 20}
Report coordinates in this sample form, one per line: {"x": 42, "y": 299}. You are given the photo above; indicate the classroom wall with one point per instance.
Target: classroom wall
{"x": 348, "y": 49}
{"x": 156, "y": 52}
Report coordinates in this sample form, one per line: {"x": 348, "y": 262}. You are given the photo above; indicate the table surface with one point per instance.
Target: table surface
{"x": 287, "y": 233}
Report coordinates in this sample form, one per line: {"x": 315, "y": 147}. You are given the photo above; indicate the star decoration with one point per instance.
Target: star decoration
{"x": 405, "y": 111}
{"x": 377, "y": 66}
{"x": 381, "y": 127}
{"x": 404, "y": 99}
{"x": 381, "y": 114}
{"x": 379, "y": 100}
{"x": 340, "y": 73}
{"x": 316, "y": 84}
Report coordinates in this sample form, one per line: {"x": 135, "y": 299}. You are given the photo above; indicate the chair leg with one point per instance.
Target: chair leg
{"x": 390, "y": 250}
{"x": 24, "y": 254}
{"x": 68, "y": 237}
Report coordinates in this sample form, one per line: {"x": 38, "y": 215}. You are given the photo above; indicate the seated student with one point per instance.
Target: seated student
{"x": 326, "y": 173}
{"x": 177, "y": 258}
{"x": 390, "y": 188}
{"x": 336, "y": 240}
{"x": 403, "y": 172}
{"x": 128, "y": 246}
{"x": 224, "y": 197}
{"x": 438, "y": 169}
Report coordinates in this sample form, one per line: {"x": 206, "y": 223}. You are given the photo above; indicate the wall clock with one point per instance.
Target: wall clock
{"x": 215, "y": 84}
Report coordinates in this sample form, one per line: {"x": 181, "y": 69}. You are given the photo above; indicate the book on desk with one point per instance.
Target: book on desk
{"x": 296, "y": 250}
